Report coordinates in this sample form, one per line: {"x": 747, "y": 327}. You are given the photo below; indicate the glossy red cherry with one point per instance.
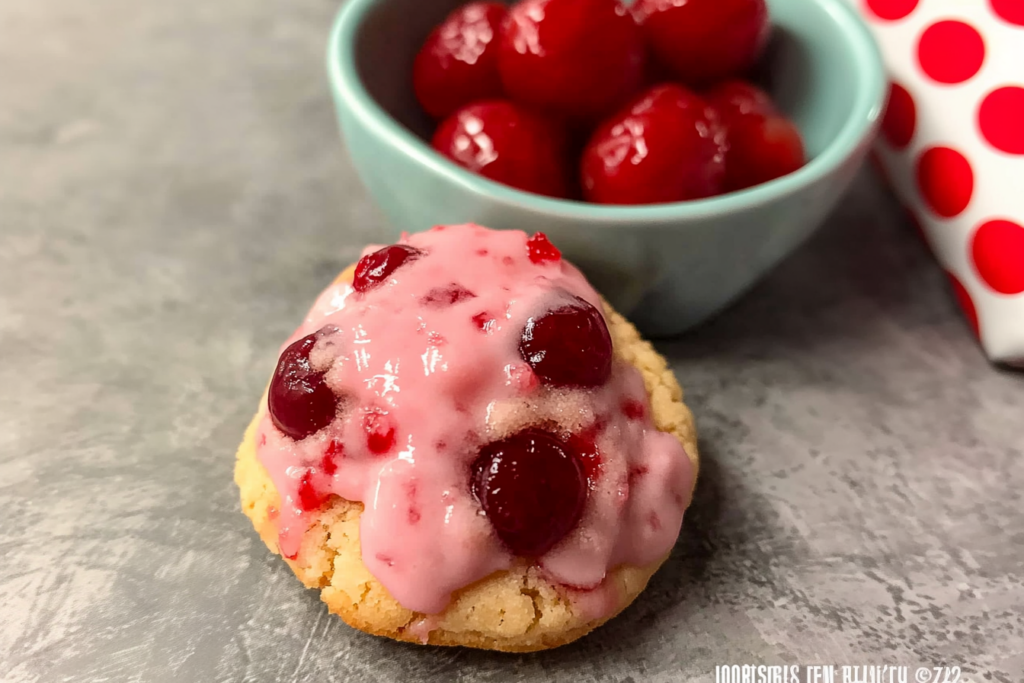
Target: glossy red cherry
{"x": 667, "y": 146}
{"x": 578, "y": 58}
{"x": 299, "y": 401}
{"x": 704, "y": 41}
{"x": 737, "y": 98}
{"x": 458, "y": 63}
{"x": 508, "y": 144}
{"x": 568, "y": 345}
{"x": 377, "y": 267}
{"x": 762, "y": 148}
{"x": 532, "y": 488}
{"x": 763, "y": 145}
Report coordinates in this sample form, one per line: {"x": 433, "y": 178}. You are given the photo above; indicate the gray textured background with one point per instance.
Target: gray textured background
{"x": 172, "y": 196}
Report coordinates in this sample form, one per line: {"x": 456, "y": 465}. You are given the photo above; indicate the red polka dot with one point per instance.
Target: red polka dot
{"x": 950, "y": 51}
{"x": 998, "y": 253}
{"x": 1001, "y": 118}
{"x": 890, "y": 10}
{"x": 945, "y": 180}
{"x": 1011, "y": 11}
{"x": 900, "y": 117}
{"x": 966, "y": 304}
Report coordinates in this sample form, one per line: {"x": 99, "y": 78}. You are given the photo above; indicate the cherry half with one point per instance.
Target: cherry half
{"x": 532, "y": 488}
{"x": 299, "y": 400}
{"x": 568, "y": 345}
{"x": 458, "y": 63}
{"x": 375, "y": 268}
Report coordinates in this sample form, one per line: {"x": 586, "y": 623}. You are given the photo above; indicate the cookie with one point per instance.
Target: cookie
{"x": 517, "y": 608}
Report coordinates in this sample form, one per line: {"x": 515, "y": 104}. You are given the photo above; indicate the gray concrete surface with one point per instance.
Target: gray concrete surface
{"x": 172, "y": 196}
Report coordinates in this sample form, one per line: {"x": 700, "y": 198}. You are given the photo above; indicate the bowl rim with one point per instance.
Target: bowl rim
{"x": 860, "y": 124}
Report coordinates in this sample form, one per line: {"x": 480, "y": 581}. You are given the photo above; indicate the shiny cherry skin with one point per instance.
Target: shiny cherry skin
{"x": 705, "y": 41}
{"x": 569, "y": 345}
{"x": 763, "y": 145}
{"x": 532, "y": 487}
{"x": 666, "y": 146}
{"x": 507, "y": 143}
{"x": 762, "y": 148}
{"x": 299, "y": 400}
{"x": 375, "y": 268}
{"x": 735, "y": 98}
{"x": 580, "y": 59}
{"x": 458, "y": 63}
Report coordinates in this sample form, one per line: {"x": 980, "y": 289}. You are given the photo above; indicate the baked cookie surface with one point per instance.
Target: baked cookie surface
{"x": 517, "y": 609}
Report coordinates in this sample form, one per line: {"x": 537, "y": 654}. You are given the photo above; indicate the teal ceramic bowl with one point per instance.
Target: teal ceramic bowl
{"x": 668, "y": 266}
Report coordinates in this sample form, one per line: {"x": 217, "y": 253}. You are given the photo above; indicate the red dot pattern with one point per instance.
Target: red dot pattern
{"x": 891, "y": 10}
{"x": 900, "y": 117}
{"x": 945, "y": 180}
{"x": 997, "y": 251}
{"x": 1010, "y": 11}
{"x": 1001, "y": 118}
{"x": 950, "y": 51}
{"x": 966, "y": 303}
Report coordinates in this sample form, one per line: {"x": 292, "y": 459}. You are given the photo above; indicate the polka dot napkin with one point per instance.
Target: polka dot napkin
{"x": 952, "y": 148}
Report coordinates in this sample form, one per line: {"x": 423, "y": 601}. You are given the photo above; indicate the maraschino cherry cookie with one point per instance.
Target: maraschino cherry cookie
{"x": 463, "y": 445}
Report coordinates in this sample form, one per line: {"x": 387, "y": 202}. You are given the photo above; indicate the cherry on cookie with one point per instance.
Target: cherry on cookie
{"x": 375, "y": 268}
{"x": 299, "y": 400}
{"x": 568, "y": 346}
{"x": 532, "y": 488}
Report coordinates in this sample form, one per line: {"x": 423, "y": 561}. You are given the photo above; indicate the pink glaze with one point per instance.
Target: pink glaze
{"x": 447, "y": 378}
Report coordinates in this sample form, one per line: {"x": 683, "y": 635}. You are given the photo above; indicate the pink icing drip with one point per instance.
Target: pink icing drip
{"x": 422, "y": 628}
{"x": 422, "y": 362}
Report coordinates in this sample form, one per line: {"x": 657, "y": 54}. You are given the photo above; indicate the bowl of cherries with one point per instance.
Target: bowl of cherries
{"x": 674, "y": 149}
